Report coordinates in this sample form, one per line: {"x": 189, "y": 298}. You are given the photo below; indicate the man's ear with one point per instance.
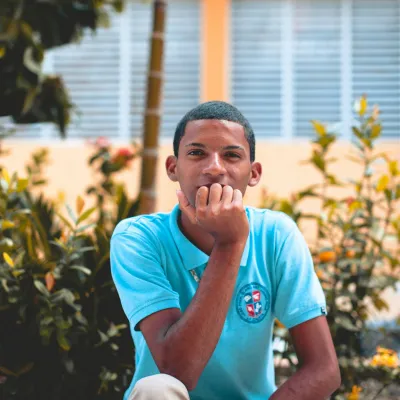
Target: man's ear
{"x": 170, "y": 167}
{"x": 256, "y": 172}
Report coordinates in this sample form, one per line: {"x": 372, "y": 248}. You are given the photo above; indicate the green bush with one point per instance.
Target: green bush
{"x": 63, "y": 333}
{"x": 356, "y": 251}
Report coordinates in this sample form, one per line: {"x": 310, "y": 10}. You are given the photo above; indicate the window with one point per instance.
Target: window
{"x": 106, "y": 73}
{"x": 298, "y": 60}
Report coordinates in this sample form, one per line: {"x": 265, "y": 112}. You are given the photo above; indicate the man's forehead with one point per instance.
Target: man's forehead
{"x": 216, "y": 128}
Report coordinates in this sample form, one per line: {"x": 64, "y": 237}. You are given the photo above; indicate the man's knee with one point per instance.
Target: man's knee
{"x": 160, "y": 386}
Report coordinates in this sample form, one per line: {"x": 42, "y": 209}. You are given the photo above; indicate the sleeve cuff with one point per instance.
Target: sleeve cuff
{"x": 151, "y": 308}
{"x": 317, "y": 311}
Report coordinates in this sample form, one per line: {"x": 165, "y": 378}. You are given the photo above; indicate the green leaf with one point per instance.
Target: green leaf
{"x": 380, "y": 304}
{"x": 346, "y": 323}
{"x": 26, "y": 368}
{"x": 397, "y": 192}
{"x": 22, "y": 185}
{"x": 363, "y": 106}
{"x": 118, "y": 5}
{"x": 389, "y": 194}
{"x": 333, "y": 180}
{"x": 354, "y": 159}
{"x": 357, "y": 132}
{"x": 81, "y": 319}
{"x": 29, "y": 99}
{"x": 66, "y": 222}
{"x": 376, "y": 131}
{"x": 319, "y": 128}
{"x": 63, "y": 341}
{"x": 85, "y": 270}
{"x": 41, "y": 287}
{"x": 382, "y": 183}
{"x": 85, "y": 215}
{"x": 7, "y": 225}
{"x": 318, "y": 161}
{"x": 85, "y": 228}
{"x": 71, "y": 213}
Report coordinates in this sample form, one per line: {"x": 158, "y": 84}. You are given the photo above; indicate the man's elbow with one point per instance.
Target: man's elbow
{"x": 333, "y": 377}
{"x": 180, "y": 368}
{"x": 186, "y": 377}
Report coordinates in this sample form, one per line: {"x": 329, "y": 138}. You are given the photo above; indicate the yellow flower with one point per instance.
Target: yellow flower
{"x": 385, "y": 358}
{"x": 354, "y": 395}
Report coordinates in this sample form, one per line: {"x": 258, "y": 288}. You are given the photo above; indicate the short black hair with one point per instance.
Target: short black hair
{"x": 215, "y": 110}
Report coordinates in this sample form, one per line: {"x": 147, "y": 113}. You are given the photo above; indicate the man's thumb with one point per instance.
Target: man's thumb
{"x": 186, "y": 207}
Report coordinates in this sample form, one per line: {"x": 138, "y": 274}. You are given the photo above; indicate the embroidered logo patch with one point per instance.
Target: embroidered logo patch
{"x": 252, "y": 302}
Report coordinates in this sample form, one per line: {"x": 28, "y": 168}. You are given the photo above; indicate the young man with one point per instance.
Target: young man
{"x": 202, "y": 285}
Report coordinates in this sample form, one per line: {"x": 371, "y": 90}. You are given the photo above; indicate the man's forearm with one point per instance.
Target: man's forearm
{"x": 190, "y": 342}
{"x": 309, "y": 383}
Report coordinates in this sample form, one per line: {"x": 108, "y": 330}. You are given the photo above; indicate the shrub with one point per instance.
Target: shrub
{"x": 356, "y": 252}
{"x": 63, "y": 333}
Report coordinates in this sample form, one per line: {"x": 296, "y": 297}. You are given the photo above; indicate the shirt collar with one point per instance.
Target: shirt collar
{"x": 192, "y": 256}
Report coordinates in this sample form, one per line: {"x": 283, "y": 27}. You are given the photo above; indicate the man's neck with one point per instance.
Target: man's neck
{"x": 200, "y": 238}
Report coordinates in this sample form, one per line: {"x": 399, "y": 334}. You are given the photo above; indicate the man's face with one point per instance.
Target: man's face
{"x": 213, "y": 151}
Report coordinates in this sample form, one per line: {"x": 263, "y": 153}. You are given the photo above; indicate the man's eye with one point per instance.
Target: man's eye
{"x": 195, "y": 153}
{"x": 232, "y": 155}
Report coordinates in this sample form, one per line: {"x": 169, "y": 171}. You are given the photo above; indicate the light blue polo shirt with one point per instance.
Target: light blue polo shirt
{"x": 151, "y": 261}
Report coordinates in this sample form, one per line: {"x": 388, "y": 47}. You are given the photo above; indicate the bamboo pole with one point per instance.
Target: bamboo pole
{"x": 152, "y": 116}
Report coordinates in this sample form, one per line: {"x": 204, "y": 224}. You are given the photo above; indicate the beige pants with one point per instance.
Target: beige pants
{"x": 159, "y": 387}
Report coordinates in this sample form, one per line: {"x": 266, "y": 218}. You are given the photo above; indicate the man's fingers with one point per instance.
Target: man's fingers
{"x": 237, "y": 197}
{"x": 186, "y": 207}
{"x": 227, "y": 195}
{"x": 201, "y": 197}
{"x": 215, "y": 193}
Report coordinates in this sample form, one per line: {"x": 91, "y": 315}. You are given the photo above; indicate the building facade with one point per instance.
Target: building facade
{"x": 282, "y": 62}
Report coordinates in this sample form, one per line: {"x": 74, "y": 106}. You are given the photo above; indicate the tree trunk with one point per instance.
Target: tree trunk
{"x": 152, "y": 116}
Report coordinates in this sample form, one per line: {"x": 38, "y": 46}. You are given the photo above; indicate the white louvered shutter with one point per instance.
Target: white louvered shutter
{"x": 316, "y": 63}
{"x": 376, "y": 58}
{"x": 332, "y": 51}
{"x": 182, "y": 62}
{"x": 256, "y": 63}
{"x": 91, "y": 71}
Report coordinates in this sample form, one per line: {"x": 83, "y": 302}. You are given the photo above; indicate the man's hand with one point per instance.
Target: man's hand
{"x": 223, "y": 216}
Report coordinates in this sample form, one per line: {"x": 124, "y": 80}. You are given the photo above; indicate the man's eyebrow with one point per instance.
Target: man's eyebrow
{"x": 201, "y": 145}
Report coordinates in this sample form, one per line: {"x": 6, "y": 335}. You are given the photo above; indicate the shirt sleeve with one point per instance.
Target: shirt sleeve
{"x": 299, "y": 295}
{"x": 138, "y": 275}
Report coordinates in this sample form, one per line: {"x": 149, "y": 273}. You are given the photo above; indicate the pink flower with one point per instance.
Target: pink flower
{"x": 123, "y": 156}
{"x": 350, "y": 200}
{"x": 102, "y": 142}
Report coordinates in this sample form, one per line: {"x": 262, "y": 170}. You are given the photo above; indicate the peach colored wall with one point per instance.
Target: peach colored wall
{"x": 282, "y": 172}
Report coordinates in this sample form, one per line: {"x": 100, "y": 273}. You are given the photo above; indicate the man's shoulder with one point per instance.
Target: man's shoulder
{"x": 142, "y": 224}
{"x": 271, "y": 222}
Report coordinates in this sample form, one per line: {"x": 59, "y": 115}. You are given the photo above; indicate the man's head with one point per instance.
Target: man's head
{"x": 213, "y": 143}
{"x": 218, "y": 110}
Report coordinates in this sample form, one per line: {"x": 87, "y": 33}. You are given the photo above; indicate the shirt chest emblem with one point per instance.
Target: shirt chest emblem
{"x": 252, "y": 302}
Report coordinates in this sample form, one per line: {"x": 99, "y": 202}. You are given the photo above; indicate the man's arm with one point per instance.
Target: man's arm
{"x": 182, "y": 344}
{"x": 318, "y": 375}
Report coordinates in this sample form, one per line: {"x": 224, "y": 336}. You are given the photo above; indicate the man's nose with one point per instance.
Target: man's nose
{"x": 215, "y": 166}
